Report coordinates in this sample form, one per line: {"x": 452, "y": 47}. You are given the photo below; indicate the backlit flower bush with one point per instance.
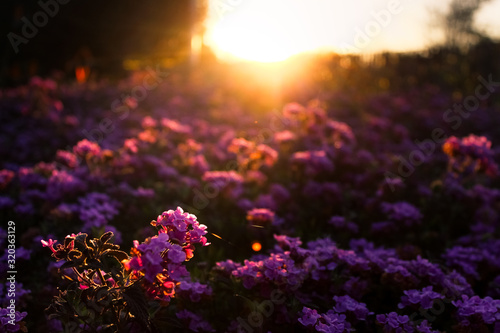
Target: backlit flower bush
{"x": 338, "y": 215}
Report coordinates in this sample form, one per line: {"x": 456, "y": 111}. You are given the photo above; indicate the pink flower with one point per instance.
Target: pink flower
{"x": 260, "y": 216}
{"x": 49, "y": 244}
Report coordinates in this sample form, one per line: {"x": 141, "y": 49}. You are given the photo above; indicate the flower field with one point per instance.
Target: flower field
{"x": 353, "y": 212}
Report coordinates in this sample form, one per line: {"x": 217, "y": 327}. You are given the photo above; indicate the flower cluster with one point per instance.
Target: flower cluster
{"x": 374, "y": 228}
{"x": 312, "y": 162}
{"x": 329, "y": 322}
{"x": 346, "y": 304}
{"x": 260, "y": 216}
{"x": 340, "y": 223}
{"x": 471, "y": 154}
{"x": 159, "y": 259}
{"x": 228, "y": 182}
{"x": 392, "y": 322}
{"x": 423, "y": 298}
{"x": 469, "y": 308}
{"x": 251, "y": 156}
{"x": 403, "y": 213}
{"x": 85, "y": 149}
{"x": 12, "y": 321}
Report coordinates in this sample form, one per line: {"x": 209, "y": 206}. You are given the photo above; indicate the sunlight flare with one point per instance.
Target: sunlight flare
{"x": 271, "y": 31}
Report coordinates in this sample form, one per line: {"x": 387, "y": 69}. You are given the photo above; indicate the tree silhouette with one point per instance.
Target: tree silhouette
{"x": 458, "y": 23}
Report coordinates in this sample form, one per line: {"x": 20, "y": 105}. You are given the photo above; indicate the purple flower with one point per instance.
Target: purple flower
{"x": 146, "y": 193}
{"x": 487, "y": 308}
{"x": 288, "y": 243}
{"x": 333, "y": 323}
{"x": 313, "y": 162}
{"x": 176, "y": 254}
{"x": 385, "y": 227}
{"x": 265, "y": 201}
{"x": 55, "y": 325}
{"x": 25, "y": 209}
{"x": 96, "y": 210}
{"x": 260, "y": 216}
{"x": 397, "y": 269}
{"x": 468, "y": 259}
{"x": 198, "y": 164}
{"x": 11, "y": 324}
{"x": 62, "y": 184}
{"x": 228, "y": 182}
{"x": 193, "y": 290}
{"x": 346, "y": 303}
{"x": 309, "y": 317}
{"x": 177, "y": 219}
{"x": 250, "y": 273}
{"x": 339, "y": 222}
{"x": 279, "y": 193}
{"x": 356, "y": 287}
{"x": 424, "y": 298}
{"x": 6, "y": 202}
{"x": 425, "y": 327}
{"x": 402, "y": 212}
{"x": 227, "y": 266}
{"x": 28, "y": 177}
{"x": 393, "y": 321}
{"x": 312, "y": 189}
{"x": 181, "y": 226}
{"x": 159, "y": 259}
{"x": 195, "y": 322}
{"x": 329, "y": 322}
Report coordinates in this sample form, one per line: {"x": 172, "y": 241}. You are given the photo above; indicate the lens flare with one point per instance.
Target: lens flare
{"x": 256, "y": 246}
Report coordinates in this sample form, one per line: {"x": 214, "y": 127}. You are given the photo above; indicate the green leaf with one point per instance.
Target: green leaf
{"x": 118, "y": 254}
{"x": 110, "y": 246}
{"x": 68, "y": 240}
{"x": 81, "y": 238}
{"x": 136, "y": 303}
{"x": 74, "y": 254}
{"x": 106, "y": 237}
{"x": 94, "y": 242}
{"x": 94, "y": 263}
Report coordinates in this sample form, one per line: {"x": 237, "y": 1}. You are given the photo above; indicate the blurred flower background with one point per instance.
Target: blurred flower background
{"x": 308, "y": 166}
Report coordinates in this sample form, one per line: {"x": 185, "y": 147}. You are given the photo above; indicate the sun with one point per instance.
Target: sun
{"x": 262, "y": 43}
{"x": 272, "y": 30}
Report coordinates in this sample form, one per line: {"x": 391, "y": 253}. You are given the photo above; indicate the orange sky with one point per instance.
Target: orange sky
{"x": 272, "y": 30}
